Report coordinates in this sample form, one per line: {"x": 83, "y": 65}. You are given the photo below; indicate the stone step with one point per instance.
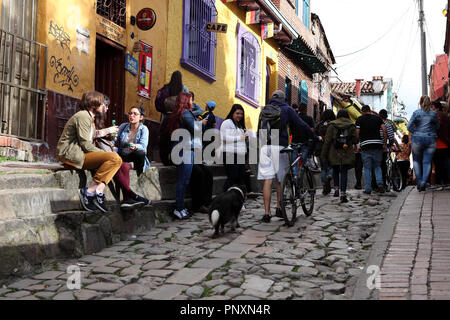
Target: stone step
{"x": 22, "y": 181}
{"x": 26, "y": 242}
{"x": 25, "y": 203}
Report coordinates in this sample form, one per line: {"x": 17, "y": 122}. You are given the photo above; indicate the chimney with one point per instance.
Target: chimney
{"x": 358, "y": 88}
{"x": 377, "y": 84}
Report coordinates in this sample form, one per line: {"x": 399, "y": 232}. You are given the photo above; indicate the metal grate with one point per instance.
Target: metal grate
{"x": 202, "y": 44}
{"x": 114, "y": 10}
{"x": 23, "y": 63}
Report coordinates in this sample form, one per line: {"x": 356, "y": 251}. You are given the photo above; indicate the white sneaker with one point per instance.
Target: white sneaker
{"x": 243, "y": 208}
{"x": 185, "y": 214}
{"x": 178, "y": 214}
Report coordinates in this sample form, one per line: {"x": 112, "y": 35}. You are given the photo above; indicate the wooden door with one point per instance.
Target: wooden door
{"x": 110, "y": 76}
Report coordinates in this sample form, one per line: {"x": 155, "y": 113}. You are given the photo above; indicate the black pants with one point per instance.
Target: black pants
{"x": 404, "y": 168}
{"x": 235, "y": 172}
{"x": 358, "y": 167}
{"x": 135, "y": 156}
{"x": 201, "y": 185}
{"x": 165, "y": 143}
{"x": 440, "y": 166}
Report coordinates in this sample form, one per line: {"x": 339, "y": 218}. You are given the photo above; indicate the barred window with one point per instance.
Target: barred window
{"x": 199, "y": 46}
{"x": 249, "y": 76}
{"x": 114, "y": 10}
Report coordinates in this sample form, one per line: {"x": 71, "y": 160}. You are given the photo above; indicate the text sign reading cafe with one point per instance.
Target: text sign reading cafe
{"x": 216, "y": 27}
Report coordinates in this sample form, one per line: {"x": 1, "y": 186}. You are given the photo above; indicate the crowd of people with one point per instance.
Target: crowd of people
{"x": 339, "y": 144}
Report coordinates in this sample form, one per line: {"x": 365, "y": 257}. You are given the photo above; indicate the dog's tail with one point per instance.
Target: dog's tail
{"x": 215, "y": 215}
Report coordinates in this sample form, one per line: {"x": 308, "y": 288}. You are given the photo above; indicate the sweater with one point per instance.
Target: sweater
{"x": 232, "y": 138}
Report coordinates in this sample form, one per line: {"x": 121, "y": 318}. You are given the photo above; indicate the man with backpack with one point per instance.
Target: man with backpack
{"x": 276, "y": 120}
{"x": 338, "y": 150}
{"x": 372, "y": 146}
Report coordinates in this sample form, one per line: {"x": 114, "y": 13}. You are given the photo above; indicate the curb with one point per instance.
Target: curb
{"x": 379, "y": 248}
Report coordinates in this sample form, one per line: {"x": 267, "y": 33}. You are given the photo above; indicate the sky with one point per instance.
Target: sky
{"x": 351, "y": 25}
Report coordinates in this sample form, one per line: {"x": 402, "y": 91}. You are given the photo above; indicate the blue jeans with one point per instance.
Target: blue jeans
{"x": 372, "y": 160}
{"x": 327, "y": 171}
{"x": 342, "y": 182}
{"x": 304, "y": 150}
{"x": 423, "y": 149}
{"x": 184, "y": 171}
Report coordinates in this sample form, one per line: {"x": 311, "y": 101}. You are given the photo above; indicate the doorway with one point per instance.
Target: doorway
{"x": 110, "y": 77}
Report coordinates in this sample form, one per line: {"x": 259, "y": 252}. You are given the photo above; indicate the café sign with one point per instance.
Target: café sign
{"x": 112, "y": 31}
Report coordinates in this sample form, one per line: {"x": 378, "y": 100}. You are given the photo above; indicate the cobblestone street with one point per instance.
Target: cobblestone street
{"x": 319, "y": 258}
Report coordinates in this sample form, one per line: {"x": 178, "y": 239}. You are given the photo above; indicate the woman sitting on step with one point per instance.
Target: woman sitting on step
{"x": 104, "y": 140}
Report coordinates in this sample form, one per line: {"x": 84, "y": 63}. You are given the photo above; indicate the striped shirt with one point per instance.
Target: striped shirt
{"x": 390, "y": 133}
{"x": 369, "y": 131}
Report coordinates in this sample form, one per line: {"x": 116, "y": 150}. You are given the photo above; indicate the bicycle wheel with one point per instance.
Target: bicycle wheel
{"x": 396, "y": 178}
{"x": 306, "y": 191}
{"x": 388, "y": 176}
{"x": 288, "y": 201}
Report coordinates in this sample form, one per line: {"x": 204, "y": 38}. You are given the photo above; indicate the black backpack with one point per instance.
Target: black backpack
{"x": 341, "y": 138}
{"x": 269, "y": 119}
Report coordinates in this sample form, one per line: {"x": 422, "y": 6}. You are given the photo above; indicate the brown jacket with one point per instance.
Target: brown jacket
{"x": 76, "y": 139}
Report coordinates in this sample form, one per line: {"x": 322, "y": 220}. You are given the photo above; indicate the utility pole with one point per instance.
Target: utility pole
{"x": 423, "y": 49}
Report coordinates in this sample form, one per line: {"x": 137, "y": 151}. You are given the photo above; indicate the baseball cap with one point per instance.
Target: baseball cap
{"x": 278, "y": 94}
{"x": 211, "y": 105}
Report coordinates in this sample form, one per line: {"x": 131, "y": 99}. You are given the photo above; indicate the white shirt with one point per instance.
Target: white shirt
{"x": 232, "y": 138}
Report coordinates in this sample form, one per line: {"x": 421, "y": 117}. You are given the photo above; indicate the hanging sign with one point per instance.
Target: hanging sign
{"x": 145, "y": 70}
{"x": 146, "y": 19}
{"x": 131, "y": 64}
{"x": 112, "y": 31}
{"x": 216, "y": 27}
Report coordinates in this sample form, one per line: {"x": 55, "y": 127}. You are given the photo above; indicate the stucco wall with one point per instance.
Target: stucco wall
{"x": 66, "y": 16}
{"x": 222, "y": 91}
{"x": 62, "y": 52}
{"x": 157, "y": 38}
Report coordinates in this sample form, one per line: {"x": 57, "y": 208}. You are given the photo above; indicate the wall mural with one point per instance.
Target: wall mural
{"x": 65, "y": 76}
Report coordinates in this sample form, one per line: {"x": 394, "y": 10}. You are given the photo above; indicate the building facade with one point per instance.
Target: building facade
{"x": 376, "y": 93}
{"x": 129, "y": 49}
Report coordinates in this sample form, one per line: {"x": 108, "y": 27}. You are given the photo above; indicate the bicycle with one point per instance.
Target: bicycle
{"x": 298, "y": 189}
{"x": 393, "y": 173}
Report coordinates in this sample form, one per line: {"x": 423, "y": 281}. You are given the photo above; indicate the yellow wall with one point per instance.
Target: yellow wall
{"x": 67, "y": 16}
{"x": 222, "y": 91}
{"x": 157, "y": 38}
{"x": 70, "y": 13}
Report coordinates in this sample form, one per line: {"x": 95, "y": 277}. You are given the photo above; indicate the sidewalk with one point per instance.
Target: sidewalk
{"x": 416, "y": 264}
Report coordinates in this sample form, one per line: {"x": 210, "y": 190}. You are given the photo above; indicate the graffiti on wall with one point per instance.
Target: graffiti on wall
{"x": 64, "y": 75}
{"x": 60, "y": 35}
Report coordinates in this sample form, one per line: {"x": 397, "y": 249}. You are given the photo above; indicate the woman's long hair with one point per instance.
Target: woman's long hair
{"x": 328, "y": 115}
{"x": 425, "y": 103}
{"x": 240, "y": 124}
{"x": 176, "y": 83}
{"x": 182, "y": 103}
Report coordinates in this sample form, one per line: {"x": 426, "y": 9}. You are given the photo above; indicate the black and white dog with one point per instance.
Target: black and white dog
{"x": 226, "y": 208}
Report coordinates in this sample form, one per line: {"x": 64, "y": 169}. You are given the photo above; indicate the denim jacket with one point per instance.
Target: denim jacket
{"x": 424, "y": 124}
{"x": 140, "y": 140}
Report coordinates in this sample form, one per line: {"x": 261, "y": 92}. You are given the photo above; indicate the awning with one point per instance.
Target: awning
{"x": 306, "y": 56}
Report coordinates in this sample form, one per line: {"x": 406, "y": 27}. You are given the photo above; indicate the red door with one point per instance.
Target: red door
{"x": 110, "y": 76}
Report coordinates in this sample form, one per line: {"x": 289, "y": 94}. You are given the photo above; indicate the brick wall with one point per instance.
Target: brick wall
{"x": 287, "y": 68}
{"x": 15, "y": 148}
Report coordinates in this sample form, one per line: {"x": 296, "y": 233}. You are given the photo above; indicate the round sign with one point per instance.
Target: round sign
{"x": 146, "y": 19}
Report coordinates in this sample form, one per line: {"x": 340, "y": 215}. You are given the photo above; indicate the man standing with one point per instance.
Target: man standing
{"x": 298, "y": 138}
{"x": 391, "y": 141}
{"x": 271, "y": 163}
{"x": 368, "y": 129}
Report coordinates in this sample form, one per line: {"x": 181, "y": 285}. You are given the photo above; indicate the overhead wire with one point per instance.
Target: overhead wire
{"x": 378, "y": 39}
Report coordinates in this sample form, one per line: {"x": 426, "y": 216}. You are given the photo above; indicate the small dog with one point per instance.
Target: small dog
{"x": 226, "y": 208}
